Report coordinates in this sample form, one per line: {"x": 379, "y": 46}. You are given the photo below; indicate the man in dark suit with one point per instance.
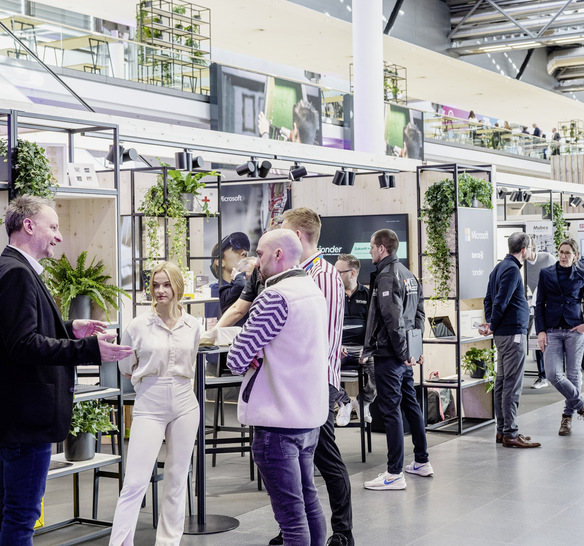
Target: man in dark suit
{"x": 37, "y": 354}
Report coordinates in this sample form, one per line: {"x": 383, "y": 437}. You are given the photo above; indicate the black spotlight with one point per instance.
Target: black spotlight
{"x": 349, "y": 178}
{"x": 249, "y": 168}
{"x": 516, "y": 196}
{"x": 386, "y": 181}
{"x": 339, "y": 178}
{"x": 264, "y": 169}
{"x": 125, "y": 155}
{"x": 197, "y": 162}
{"x": 575, "y": 201}
{"x": 183, "y": 160}
{"x": 502, "y": 193}
{"x": 297, "y": 172}
{"x": 526, "y": 196}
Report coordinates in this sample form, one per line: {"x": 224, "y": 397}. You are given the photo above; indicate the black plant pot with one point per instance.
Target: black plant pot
{"x": 480, "y": 369}
{"x": 80, "y": 447}
{"x": 80, "y": 308}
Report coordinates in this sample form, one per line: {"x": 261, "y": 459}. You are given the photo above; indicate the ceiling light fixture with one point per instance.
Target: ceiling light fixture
{"x": 575, "y": 201}
{"x": 253, "y": 168}
{"x": 297, "y": 171}
{"x": 124, "y": 155}
{"x": 185, "y": 161}
{"x": 386, "y": 181}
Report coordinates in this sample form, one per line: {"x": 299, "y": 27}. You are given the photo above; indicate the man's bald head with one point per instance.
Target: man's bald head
{"x": 278, "y": 251}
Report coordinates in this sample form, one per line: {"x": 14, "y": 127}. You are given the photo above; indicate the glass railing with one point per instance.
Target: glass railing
{"x": 511, "y": 140}
{"x": 175, "y": 67}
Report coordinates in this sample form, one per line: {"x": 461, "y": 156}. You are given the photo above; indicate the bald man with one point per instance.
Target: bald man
{"x": 282, "y": 350}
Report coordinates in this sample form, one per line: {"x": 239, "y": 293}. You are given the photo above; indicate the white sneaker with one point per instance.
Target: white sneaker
{"x": 385, "y": 480}
{"x": 420, "y": 469}
{"x": 540, "y": 383}
{"x": 367, "y": 414}
{"x": 344, "y": 414}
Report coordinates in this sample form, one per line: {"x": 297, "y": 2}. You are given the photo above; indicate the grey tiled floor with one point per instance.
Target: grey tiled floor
{"x": 481, "y": 493}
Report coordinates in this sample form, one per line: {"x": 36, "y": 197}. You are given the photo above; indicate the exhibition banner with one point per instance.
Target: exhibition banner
{"x": 476, "y": 251}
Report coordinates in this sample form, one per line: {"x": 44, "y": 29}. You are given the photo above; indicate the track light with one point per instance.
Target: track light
{"x": 575, "y": 201}
{"x": 252, "y": 168}
{"x": 526, "y": 196}
{"x": 264, "y": 169}
{"x": 516, "y": 196}
{"x": 297, "y": 172}
{"x": 386, "y": 181}
{"x": 344, "y": 178}
{"x": 502, "y": 193}
{"x": 249, "y": 168}
{"x": 125, "y": 155}
{"x": 185, "y": 161}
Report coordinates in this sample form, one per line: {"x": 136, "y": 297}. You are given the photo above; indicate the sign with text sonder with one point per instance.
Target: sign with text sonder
{"x": 476, "y": 255}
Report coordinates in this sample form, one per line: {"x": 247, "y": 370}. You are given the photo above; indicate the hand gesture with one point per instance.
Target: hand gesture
{"x": 86, "y": 327}
{"x": 112, "y": 352}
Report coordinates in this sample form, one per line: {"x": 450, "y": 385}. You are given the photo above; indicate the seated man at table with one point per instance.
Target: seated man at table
{"x": 283, "y": 352}
{"x": 354, "y": 323}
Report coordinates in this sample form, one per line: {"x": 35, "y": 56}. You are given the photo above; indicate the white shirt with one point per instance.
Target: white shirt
{"x": 159, "y": 351}
{"x": 34, "y": 263}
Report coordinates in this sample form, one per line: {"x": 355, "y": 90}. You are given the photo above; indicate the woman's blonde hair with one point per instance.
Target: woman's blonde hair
{"x": 177, "y": 284}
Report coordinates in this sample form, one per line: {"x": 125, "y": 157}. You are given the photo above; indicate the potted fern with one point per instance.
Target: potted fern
{"x": 479, "y": 364}
{"x": 67, "y": 283}
{"x": 89, "y": 418}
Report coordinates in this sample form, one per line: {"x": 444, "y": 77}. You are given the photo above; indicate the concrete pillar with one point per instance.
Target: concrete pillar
{"x": 369, "y": 119}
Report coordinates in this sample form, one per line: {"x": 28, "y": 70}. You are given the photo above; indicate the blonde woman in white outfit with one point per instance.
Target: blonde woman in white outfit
{"x": 165, "y": 342}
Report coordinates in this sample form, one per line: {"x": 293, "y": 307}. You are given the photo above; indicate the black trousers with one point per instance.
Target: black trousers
{"x": 329, "y": 462}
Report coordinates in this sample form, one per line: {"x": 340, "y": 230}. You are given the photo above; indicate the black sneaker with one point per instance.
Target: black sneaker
{"x": 337, "y": 539}
{"x": 277, "y": 541}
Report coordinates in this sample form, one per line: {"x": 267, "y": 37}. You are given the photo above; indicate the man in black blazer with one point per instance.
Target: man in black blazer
{"x": 37, "y": 354}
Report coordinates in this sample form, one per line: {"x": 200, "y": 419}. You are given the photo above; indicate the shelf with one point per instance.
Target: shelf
{"x": 467, "y": 381}
{"x": 454, "y": 340}
{"x": 177, "y": 16}
{"x": 96, "y": 395}
{"x": 71, "y": 192}
{"x": 100, "y": 459}
{"x": 451, "y": 425}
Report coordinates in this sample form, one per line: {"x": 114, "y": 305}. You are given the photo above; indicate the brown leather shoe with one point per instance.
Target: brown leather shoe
{"x": 566, "y": 426}
{"x": 499, "y": 438}
{"x": 519, "y": 441}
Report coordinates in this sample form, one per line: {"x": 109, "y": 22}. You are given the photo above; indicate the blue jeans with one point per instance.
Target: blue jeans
{"x": 395, "y": 391}
{"x": 571, "y": 345}
{"x": 23, "y": 473}
{"x": 511, "y": 351}
{"x": 286, "y": 463}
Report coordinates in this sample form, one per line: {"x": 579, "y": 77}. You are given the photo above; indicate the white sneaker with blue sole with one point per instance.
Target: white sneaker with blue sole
{"x": 385, "y": 480}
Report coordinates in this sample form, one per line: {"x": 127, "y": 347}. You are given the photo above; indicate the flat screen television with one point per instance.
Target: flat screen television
{"x": 352, "y": 235}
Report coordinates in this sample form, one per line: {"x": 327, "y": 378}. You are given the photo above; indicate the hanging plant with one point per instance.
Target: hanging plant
{"x": 559, "y": 222}
{"x": 439, "y": 205}
{"x": 33, "y": 171}
{"x": 172, "y": 208}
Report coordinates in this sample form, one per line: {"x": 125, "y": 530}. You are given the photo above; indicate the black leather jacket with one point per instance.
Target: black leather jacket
{"x": 396, "y": 306}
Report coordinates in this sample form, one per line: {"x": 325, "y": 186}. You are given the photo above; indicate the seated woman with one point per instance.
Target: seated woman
{"x": 165, "y": 342}
{"x": 560, "y": 326}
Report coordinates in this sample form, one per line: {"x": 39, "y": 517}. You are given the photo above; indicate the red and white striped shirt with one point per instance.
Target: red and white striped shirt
{"x": 329, "y": 281}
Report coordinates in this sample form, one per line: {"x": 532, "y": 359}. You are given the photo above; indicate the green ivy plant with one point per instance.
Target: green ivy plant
{"x": 91, "y": 416}
{"x": 558, "y": 222}
{"x": 65, "y": 282}
{"x": 473, "y": 356}
{"x": 33, "y": 172}
{"x": 439, "y": 205}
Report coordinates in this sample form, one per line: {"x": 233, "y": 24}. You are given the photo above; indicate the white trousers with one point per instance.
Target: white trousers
{"x": 165, "y": 407}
